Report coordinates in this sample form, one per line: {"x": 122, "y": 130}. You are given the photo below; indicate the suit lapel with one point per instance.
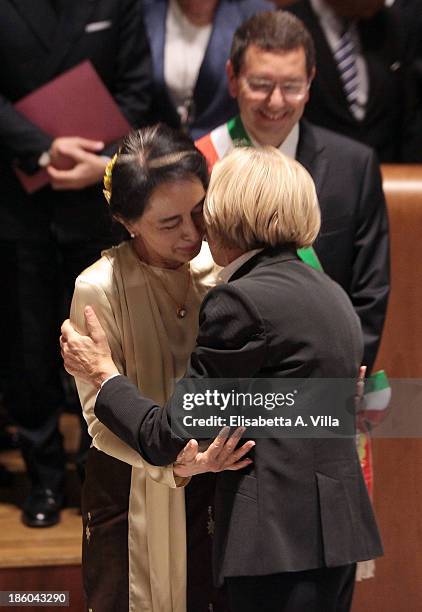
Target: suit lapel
{"x": 330, "y": 70}
{"x": 382, "y": 46}
{"x": 71, "y": 25}
{"x": 40, "y": 17}
{"x": 327, "y": 71}
{"x": 155, "y": 22}
{"x": 155, "y": 16}
{"x": 210, "y": 78}
{"x": 311, "y": 155}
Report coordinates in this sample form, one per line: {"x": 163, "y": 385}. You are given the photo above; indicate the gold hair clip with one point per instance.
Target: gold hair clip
{"x": 107, "y": 178}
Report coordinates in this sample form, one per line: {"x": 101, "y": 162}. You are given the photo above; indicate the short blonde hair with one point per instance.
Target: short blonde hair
{"x": 259, "y": 197}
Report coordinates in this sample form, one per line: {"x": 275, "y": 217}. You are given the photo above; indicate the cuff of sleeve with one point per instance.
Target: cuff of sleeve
{"x": 166, "y": 476}
{"x": 105, "y": 382}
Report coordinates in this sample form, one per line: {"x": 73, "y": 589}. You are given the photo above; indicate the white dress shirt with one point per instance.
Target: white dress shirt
{"x": 288, "y": 146}
{"x": 184, "y": 51}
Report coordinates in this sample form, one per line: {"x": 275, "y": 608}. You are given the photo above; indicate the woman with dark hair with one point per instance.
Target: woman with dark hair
{"x": 147, "y": 293}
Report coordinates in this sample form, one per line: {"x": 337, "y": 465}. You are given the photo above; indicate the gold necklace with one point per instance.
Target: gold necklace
{"x": 181, "y": 309}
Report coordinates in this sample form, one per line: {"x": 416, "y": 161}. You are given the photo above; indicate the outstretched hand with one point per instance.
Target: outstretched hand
{"x": 87, "y": 357}
{"x": 221, "y": 455}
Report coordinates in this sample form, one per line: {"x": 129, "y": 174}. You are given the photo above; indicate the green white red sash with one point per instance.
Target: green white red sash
{"x": 218, "y": 143}
{"x": 375, "y": 401}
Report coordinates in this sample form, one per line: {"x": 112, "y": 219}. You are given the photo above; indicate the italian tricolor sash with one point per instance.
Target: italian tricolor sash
{"x": 375, "y": 401}
{"x": 218, "y": 143}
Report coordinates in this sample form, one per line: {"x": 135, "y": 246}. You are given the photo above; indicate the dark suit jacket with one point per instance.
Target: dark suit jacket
{"x": 384, "y": 49}
{"x": 353, "y": 242}
{"x": 303, "y": 504}
{"x": 212, "y": 103}
{"x": 36, "y": 46}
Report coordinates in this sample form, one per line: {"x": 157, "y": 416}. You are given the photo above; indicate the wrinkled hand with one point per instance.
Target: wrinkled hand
{"x": 87, "y": 357}
{"x": 221, "y": 455}
{"x": 75, "y": 163}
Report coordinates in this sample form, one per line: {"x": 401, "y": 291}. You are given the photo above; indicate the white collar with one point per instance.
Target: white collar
{"x": 237, "y": 263}
{"x": 289, "y": 145}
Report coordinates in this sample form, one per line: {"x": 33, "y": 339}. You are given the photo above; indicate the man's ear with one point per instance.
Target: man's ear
{"x": 232, "y": 80}
{"x": 312, "y": 76}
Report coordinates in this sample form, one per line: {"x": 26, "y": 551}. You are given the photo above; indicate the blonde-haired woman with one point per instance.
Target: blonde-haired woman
{"x": 259, "y": 198}
{"x": 289, "y": 528}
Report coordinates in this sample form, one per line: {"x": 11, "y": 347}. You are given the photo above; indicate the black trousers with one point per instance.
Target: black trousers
{"x": 319, "y": 590}
{"x": 40, "y": 277}
{"x": 202, "y": 595}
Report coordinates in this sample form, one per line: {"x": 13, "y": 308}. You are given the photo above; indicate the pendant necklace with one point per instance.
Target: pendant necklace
{"x": 181, "y": 309}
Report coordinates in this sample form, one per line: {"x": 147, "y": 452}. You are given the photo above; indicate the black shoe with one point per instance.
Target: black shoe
{"x": 42, "y": 508}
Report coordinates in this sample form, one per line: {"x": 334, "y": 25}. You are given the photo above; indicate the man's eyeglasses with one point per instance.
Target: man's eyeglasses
{"x": 292, "y": 90}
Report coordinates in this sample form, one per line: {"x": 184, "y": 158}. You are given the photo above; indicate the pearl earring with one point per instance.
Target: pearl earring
{"x": 132, "y": 235}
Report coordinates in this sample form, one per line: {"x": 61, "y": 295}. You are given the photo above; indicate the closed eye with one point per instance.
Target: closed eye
{"x": 173, "y": 226}
{"x": 173, "y": 222}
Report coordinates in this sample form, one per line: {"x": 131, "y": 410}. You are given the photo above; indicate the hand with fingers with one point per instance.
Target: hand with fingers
{"x": 75, "y": 162}
{"x": 87, "y": 357}
{"x": 222, "y": 454}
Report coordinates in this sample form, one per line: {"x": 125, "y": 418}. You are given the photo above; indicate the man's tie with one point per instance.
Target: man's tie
{"x": 345, "y": 57}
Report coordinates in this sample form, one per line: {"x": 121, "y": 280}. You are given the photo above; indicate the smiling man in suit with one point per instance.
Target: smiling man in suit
{"x": 270, "y": 71}
{"x": 47, "y": 238}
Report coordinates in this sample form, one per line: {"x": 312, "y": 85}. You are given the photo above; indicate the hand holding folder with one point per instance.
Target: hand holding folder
{"x": 75, "y": 162}
{"x": 76, "y": 103}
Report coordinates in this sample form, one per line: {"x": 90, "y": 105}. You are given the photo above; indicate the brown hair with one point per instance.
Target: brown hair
{"x": 272, "y": 31}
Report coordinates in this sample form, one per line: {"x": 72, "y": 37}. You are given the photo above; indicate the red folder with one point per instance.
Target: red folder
{"x": 76, "y": 103}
